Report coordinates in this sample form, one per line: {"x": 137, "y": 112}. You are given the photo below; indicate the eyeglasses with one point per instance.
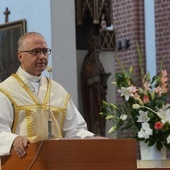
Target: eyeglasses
{"x": 37, "y": 51}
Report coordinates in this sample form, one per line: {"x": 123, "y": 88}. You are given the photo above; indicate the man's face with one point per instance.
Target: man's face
{"x": 32, "y": 64}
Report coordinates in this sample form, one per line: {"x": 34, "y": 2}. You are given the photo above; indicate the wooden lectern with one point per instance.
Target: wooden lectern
{"x": 76, "y": 154}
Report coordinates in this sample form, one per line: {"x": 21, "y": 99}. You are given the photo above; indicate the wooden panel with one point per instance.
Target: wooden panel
{"x": 14, "y": 162}
{"x": 89, "y": 154}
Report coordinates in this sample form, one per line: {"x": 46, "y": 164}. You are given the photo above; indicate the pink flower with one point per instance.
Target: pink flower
{"x": 136, "y": 96}
{"x": 133, "y": 89}
{"x": 158, "y": 90}
{"x": 164, "y": 73}
{"x": 147, "y": 85}
{"x": 146, "y": 99}
{"x": 164, "y": 89}
{"x": 161, "y": 90}
{"x": 164, "y": 78}
{"x": 158, "y": 125}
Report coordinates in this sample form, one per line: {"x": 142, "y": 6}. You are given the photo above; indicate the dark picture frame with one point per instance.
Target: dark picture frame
{"x": 9, "y": 35}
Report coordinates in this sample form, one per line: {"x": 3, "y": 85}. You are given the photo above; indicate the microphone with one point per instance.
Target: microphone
{"x": 49, "y": 69}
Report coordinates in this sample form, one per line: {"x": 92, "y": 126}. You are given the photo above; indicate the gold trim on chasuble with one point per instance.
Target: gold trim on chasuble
{"x": 57, "y": 114}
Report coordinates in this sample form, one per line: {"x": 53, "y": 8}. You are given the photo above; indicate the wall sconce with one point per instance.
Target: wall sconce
{"x": 122, "y": 44}
{"x": 118, "y": 45}
{"x": 125, "y": 43}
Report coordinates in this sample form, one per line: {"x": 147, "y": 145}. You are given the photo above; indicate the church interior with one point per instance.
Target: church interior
{"x": 75, "y": 29}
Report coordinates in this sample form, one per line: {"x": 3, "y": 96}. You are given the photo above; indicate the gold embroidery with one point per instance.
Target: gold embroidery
{"x": 30, "y": 129}
{"x": 32, "y": 119}
{"x": 46, "y": 99}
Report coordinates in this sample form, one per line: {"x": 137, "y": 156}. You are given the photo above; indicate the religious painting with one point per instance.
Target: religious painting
{"x": 9, "y": 35}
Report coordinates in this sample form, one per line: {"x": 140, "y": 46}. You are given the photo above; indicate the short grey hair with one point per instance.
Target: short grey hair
{"x": 24, "y": 36}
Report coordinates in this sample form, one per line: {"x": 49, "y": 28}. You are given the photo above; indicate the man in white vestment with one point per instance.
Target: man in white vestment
{"x": 24, "y": 102}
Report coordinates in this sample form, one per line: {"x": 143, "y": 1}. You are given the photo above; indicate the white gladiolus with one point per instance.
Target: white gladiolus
{"x": 168, "y": 139}
{"x": 136, "y": 106}
{"x": 109, "y": 117}
{"x": 123, "y": 117}
{"x": 112, "y": 129}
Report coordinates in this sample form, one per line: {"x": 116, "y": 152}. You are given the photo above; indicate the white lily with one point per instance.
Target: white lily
{"x": 143, "y": 116}
{"x": 126, "y": 91}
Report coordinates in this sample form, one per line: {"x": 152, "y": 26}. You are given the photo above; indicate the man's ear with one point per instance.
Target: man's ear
{"x": 19, "y": 54}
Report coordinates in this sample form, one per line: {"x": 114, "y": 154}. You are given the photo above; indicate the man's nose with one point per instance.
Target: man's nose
{"x": 41, "y": 54}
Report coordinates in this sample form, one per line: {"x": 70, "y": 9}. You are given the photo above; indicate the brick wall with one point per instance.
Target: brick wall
{"x": 128, "y": 21}
{"x": 162, "y": 27}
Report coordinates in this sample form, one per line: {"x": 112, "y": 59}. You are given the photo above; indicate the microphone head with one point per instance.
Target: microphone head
{"x": 49, "y": 69}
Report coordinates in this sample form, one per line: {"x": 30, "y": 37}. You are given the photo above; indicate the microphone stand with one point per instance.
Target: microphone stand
{"x": 49, "y": 118}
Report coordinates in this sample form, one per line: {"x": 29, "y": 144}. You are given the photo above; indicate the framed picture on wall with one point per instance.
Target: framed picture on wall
{"x": 9, "y": 35}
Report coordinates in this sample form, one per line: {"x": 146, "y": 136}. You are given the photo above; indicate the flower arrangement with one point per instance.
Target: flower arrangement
{"x": 144, "y": 111}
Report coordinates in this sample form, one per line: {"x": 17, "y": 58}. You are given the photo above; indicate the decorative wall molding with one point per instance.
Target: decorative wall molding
{"x": 93, "y": 9}
{"x": 108, "y": 40}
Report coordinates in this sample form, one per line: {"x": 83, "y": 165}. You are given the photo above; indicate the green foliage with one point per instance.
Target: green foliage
{"x": 150, "y": 123}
